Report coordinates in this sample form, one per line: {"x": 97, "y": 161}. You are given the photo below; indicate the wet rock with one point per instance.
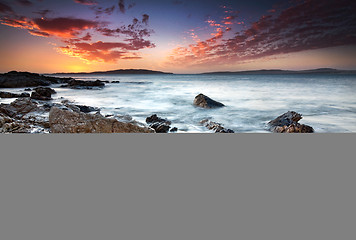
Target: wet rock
{"x": 43, "y": 93}
{"x": 25, "y": 79}
{"x": 154, "y": 118}
{"x": 217, "y": 127}
{"x": 27, "y": 89}
{"x": 174, "y": 129}
{"x": 115, "y": 81}
{"x": 78, "y": 84}
{"x": 87, "y": 109}
{"x": 205, "y": 102}
{"x": 288, "y": 123}
{"x": 68, "y": 121}
{"x": 13, "y": 95}
{"x": 19, "y": 107}
{"x": 160, "y": 125}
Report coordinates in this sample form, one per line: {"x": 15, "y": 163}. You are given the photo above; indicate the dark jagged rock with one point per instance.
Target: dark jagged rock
{"x": 43, "y": 93}
{"x": 19, "y": 107}
{"x": 174, "y": 129}
{"x": 154, "y": 118}
{"x": 25, "y": 79}
{"x": 78, "y": 84}
{"x": 160, "y": 125}
{"x": 13, "y": 95}
{"x": 68, "y": 121}
{"x": 115, "y": 81}
{"x": 288, "y": 123}
{"x": 217, "y": 127}
{"x": 205, "y": 102}
{"x": 27, "y": 89}
{"x": 87, "y": 109}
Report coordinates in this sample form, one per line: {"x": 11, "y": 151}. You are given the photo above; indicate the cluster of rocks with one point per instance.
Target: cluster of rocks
{"x": 216, "y": 127}
{"x": 69, "y": 121}
{"x": 78, "y": 84}
{"x": 288, "y": 123}
{"x": 13, "y": 95}
{"x": 25, "y": 79}
{"x": 160, "y": 125}
{"x": 23, "y": 116}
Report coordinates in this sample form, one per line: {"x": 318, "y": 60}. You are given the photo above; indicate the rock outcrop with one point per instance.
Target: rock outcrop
{"x": 68, "y": 121}
{"x": 288, "y": 123}
{"x": 160, "y": 125}
{"x": 13, "y": 95}
{"x": 42, "y": 93}
{"x": 22, "y": 116}
{"x": 205, "y": 102}
{"x": 25, "y": 79}
{"x": 19, "y": 107}
{"x": 217, "y": 127}
{"x": 78, "y": 84}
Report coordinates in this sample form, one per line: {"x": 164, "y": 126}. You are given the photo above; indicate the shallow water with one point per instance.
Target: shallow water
{"x": 327, "y": 102}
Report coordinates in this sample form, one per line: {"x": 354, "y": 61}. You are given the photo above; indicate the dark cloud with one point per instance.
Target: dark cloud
{"x": 309, "y": 24}
{"x": 100, "y": 11}
{"x": 86, "y": 2}
{"x": 24, "y": 2}
{"x": 64, "y": 27}
{"x": 43, "y": 13}
{"x": 4, "y": 8}
{"x": 145, "y": 18}
{"x": 131, "y": 5}
{"x": 121, "y": 5}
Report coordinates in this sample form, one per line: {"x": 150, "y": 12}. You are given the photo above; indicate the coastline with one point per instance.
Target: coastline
{"x": 37, "y": 120}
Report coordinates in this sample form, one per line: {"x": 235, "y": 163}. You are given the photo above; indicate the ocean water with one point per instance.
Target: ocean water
{"x": 327, "y": 102}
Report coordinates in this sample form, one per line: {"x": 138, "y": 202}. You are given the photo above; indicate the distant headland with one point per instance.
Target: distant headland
{"x": 249, "y": 72}
{"x": 280, "y": 72}
{"x": 122, "y": 71}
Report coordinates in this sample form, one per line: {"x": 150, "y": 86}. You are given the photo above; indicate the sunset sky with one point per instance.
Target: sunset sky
{"x": 177, "y": 36}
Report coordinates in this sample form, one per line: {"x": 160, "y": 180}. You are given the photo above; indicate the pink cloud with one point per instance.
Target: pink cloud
{"x": 310, "y": 24}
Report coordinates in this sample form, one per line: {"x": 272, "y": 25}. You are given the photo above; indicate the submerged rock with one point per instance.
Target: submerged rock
{"x": 217, "y": 127}
{"x": 68, "y": 121}
{"x": 288, "y": 123}
{"x": 78, "y": 84}
{"x": 205, "y": 102}
{"x": 42, "y": 93}
{"x": 25, "y": 79}
{"x": 13, "y": 95}
{"x": 160, "y": 125}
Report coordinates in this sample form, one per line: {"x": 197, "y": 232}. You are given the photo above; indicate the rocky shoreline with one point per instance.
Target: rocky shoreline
{"x": 35, "y": 113}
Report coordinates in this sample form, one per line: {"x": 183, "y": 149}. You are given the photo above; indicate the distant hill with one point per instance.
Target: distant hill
{"x": 279, "y": 72}
{"x": 122, "y": 71}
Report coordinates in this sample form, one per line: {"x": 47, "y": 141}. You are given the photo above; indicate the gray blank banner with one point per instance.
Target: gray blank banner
{"x": 178, "y": 187}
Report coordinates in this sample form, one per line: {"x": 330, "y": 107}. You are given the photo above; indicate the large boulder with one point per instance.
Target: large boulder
{"x": 205, "y": 102}
{"x": 42, "y": 93}
{"x": 13, "y": 95}
{"x": 217, "y": 127}
{"x": 68, "y": 121}
{"x": 25, "y": 79}
{"x": 288, "y": 123}
{"x": 19, "y": 107}
{"x": 78, "y": 84}
{"x": 160, "y": 125}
